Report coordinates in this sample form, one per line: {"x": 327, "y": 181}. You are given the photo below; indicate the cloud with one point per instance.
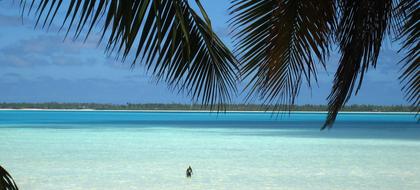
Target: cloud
{"x": 24, "y": 22}
{"x": 103, "y": 90}
{"x": 48, "y": 50}
{"x": 7, "y": 20}
{"x": 11, "y": 77}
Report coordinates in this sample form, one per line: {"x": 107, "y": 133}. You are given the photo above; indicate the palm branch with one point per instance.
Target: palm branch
{"x": 279, "y": 41}
{"x": 408, "y": 14}
{"x": 170, "y": 38}
{"x": 6, "y": 180}
{"x": 360, "y": 32}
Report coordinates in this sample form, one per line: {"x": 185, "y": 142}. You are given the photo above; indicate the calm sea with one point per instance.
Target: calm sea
{"x": 50, "y": 150}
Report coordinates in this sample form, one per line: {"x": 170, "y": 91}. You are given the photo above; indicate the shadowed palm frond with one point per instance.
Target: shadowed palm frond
{"x": 409, "y": 33}
{"x": 279, "y": 42}
{"x": 173, "y": 41}
{"x": 6, "y": 180}
{"x": 360, "y": 32}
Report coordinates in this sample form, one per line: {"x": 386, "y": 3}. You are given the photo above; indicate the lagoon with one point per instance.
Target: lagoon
{"x": 233, "y": 150}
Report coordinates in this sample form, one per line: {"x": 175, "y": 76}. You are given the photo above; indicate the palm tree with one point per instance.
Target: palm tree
{"x": 279, "y": 43}
{"x": 6, "y": 181}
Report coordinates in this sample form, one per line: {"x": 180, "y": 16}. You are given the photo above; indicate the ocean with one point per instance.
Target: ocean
{"x": 104, "y": 150}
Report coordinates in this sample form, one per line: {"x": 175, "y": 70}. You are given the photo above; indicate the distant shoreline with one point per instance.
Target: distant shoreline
{"x": 200, "y": 111}
{"x": 175, "y": 107}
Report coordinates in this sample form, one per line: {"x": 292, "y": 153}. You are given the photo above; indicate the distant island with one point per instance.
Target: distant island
{"x": 196, "y": 107}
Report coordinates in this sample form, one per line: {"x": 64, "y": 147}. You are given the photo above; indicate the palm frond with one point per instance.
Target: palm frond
{"x": 279, "y": 43}
{"x": 173, "y": 41}
{"x": 409, "y": 33}
{"x": 6, "y": 180}
{"x": 360, "y": 33}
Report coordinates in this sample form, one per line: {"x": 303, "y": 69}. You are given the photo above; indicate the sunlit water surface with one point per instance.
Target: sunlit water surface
{"x": 46, "y": 150}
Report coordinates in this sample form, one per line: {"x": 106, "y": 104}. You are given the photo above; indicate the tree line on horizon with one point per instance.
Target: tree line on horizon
{"x": 179, "y": 106}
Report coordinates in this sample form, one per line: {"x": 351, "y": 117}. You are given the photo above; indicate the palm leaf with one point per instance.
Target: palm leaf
{"x": 6, "y": 180}
{"x": 360, "y": 32}
{"x": 173, "y": 41}
{"x": 279, "y": 42}
{"x": 409, "y": 15}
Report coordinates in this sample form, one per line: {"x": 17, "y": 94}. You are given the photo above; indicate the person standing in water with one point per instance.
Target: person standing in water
{"x": 189, "y": 172}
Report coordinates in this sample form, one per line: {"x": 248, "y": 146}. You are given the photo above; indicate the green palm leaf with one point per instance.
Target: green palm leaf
{"x": 279, "y": 42}
{"x": 173, "y": 41}
{"x": 361, "y": 29}
{"x": 6, "y": 180}
{"x": 409, "y": 33}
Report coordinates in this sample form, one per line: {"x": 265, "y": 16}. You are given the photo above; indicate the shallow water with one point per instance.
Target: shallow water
{"x": 138, "y": 150}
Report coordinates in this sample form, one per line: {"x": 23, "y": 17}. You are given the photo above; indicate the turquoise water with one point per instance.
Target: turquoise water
{"x": 138, "y": 150}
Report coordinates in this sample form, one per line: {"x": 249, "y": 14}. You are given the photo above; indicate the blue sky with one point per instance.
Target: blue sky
{"x": 40, "y": 66}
